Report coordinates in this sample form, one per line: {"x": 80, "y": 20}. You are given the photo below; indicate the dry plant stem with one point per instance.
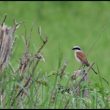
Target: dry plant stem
{"x": 61, "y": 73}
{"x": 39, "y": 50}
{"x": 63, "y": 70}
{"x": 27, "y": 82}
{"x": 6, "y": 43}
{"x": 24, "y": 62}
{"x": 41, "y": 47}
{"x": 54, "y": 92}
{"x": 44, "y": 42}
{"x": 4, "y": 20}
{"x": 16, "y": 25}
{"x": 29, "y": 79}
{"x": 25, "y": 58}
{"x": 84, "y": 76}
{"x": 33, "y": 70}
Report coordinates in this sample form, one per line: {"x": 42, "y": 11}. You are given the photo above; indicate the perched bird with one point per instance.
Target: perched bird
{"x": 81, "y": 57}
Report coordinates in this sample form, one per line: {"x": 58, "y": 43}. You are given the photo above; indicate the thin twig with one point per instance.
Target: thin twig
{"x": 41, "y": 47}
{"x": 42, "y": 39}
{"x": 27, "y": 82}
{"x": 63, "y": 69}
{"x": 4, "y": 20}
{"x": 33, "y": 70}
{"x": 16, "y": 25}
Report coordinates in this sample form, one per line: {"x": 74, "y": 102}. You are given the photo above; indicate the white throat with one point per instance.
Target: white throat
{"x": 76, "y": 55}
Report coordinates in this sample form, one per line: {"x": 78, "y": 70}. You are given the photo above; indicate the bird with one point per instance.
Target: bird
{"x": 81, "y": 57}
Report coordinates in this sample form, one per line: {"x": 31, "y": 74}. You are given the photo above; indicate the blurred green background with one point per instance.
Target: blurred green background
{"x": 66, "y": 24}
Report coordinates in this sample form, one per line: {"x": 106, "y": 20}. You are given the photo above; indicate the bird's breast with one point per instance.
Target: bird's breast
{"x": 77, "y": 58}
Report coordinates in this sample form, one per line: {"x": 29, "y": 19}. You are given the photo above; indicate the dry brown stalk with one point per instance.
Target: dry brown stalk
{"x": 84, "y": 78}
{"x": 37, "y": 56}
{"x": 6, "y": 42}
{"x": 63, "y": 70}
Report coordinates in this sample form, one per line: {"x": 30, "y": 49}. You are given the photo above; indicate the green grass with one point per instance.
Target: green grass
{"x": 66, "y": 24}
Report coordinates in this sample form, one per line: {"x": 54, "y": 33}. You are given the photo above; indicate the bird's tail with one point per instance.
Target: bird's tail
{"x": 94, "y": 70}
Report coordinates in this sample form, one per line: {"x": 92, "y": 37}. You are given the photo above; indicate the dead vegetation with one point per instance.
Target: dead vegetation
{"x": 6, "y": 42}
{"x": 29, "y": 63}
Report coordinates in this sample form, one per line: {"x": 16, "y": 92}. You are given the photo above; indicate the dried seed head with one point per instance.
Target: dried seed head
{"x": 40, "y": 57}
{"x": 24, "y": 62}
{"x": 6, "y": 43}
{"x": 76, "y": 74}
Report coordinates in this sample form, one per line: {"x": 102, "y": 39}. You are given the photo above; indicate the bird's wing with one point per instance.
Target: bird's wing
{"x": 83, "y": 58}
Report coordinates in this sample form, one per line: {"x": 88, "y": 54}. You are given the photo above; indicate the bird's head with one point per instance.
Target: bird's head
{"x": 76, "y": 48}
